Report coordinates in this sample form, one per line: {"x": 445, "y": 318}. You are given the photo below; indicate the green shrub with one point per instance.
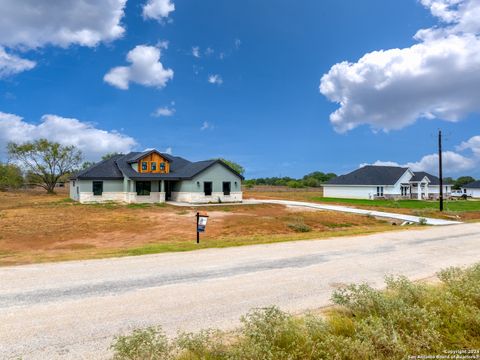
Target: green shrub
{"x": 299, "y": 227}
{"x": 405, "y": 319}
{"x": 150, "y": 343}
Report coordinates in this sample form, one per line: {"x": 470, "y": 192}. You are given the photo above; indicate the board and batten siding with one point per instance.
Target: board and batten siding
{"x": 193, "y": 190}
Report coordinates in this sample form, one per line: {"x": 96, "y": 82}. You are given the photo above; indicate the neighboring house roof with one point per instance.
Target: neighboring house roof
{"x": 120, "y": 166}
{"x": 472, "y": 185}
{"x": 370, "y": 175}
{"x": 104, "y": 170}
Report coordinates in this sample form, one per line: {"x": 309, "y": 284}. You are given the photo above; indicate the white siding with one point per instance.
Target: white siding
{"x": 475, "y": 193}
{"x": 350, "y": 192}
{"x": 396, "y": 189}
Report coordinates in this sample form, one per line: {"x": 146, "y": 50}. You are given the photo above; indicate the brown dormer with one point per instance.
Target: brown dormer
{"x": 153, "y": 163}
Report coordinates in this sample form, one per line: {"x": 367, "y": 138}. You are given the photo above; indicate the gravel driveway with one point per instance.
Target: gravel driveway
{"x": 72, "y": 310}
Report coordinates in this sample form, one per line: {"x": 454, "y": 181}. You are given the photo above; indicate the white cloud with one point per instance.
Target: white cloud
{"x": 453, "y": 163}
{"x": 93, "y": 142}
{"x": 472, "y": 144}
{"x": 35, "y": 23}
{"x": 209, "y": 51}
{"x": 168, "y": 151}
{"x": 11, "y": 64}
{"x": 439, "y": 77}
{"x": 196, "y": 51}
{"x": 145, "y": 69}
{"x": 164, "y": 111}
{"x": 237, "y": 43}
{"x": 158, "y": 9}
{"x": 215, "y": 79}
{"x": 206, "y": 126}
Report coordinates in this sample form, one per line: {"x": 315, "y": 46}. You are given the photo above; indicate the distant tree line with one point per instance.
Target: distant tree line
{"x": 314, "y": 179}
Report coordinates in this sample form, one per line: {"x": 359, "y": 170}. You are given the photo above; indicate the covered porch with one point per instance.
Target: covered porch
{"x": 148, "y": 191}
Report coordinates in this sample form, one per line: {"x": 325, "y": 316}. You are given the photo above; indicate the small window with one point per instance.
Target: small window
{"x": 144, "y": 188}
{"x": 153, "y": 166}
{"x": 78, "y": 190}
{"x": 73, "y": 183}
{"x": 162, "y": 166}
{"x": 97, "y": 188}
{"x": 144, "y": 166}
{"x": 226, "y": 187}
{"x": 207, "y": 188}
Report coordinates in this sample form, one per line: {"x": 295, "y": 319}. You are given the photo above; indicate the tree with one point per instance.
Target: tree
{"x": 110, "y": 155}
{"x": 237, "y": 167}
{"x": 462, "y": 180}
{"x": 46, "y": 162}
{"x": 10, "y": 177}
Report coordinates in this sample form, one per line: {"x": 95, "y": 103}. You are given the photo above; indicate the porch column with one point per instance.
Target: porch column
{"x": 426, "y": 191}
{"x": 419, "y": 192}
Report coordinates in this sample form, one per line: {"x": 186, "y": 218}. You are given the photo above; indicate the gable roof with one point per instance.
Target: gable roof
{"x": 104, "y": 170}
{"x": 434, "y": 180}
{"x": 119, "y": 166}
{"x": 370, "y": 175}
{"x": 472, "y": 185}
{"x": 134, "y": 157}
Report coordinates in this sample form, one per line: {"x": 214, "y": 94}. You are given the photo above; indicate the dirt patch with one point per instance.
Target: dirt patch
{"x": 36, "y": 227}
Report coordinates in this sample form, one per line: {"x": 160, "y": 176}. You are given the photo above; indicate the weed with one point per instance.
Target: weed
{"x": 405, "y": 319}
{"x": 299, "y": 227}
{"x": 422, "y": 221}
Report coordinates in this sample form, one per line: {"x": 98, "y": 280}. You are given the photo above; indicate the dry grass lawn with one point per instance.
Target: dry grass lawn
{"x": 36, "y": 227}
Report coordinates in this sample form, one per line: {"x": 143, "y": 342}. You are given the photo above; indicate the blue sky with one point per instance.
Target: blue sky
{"x": 264, "y": 109}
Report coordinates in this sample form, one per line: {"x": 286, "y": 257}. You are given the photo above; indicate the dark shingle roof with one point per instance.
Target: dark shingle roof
{"x": 434, "y": 180}
{"x": 119, "y": 166}
{"x": 370, "y": 175}
{"x": 472, "y": 185}
{"x": 104, "y": 170}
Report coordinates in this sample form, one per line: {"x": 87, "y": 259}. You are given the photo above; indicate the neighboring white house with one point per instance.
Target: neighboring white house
{"x": 472, "y": 189}
{"x": 388, "y": 182}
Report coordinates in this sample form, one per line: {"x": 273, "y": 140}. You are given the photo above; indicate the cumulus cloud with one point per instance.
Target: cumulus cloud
{"x": 93, "y": 142}
{"x": 206, "y": 126}
{"x": 196, "y": 51}
{"x": 215, "y": 79}
{"x": 35, "y": 23}
{"x": 168, "y": 151}
{"x": 145, "y": 69}
{"x": 158, "y": 9}
{"x": 454, "y": 162}
{"x": 164, "y": 111}
{"x": 11, "y": 64}
{"x": 438, "y": 77}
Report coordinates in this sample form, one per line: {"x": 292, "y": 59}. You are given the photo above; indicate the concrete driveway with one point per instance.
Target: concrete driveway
{"x": 382, "y": 214}
{"x": 72, "y": 310}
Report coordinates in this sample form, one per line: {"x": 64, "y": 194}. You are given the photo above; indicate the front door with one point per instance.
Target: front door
{"x": 168, "y": 190}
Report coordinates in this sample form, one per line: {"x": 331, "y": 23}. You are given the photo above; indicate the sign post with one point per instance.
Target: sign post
{"x": 202, "y": 219}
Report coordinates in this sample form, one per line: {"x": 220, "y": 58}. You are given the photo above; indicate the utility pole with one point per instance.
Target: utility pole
{"x": 440, "y": 168}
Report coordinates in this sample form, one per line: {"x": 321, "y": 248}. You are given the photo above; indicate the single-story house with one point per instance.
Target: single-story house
{"x": 154, "y": 177}
{"x": 472, "y": 189}
{"x": 387, "y": 182}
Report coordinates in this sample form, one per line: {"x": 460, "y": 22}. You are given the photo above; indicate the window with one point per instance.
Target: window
{"x": 162, "y": 166}
{"x": 144, "y": 166}
{"x": 379, "y": 190}
{"x": 153, "y": 166}
{"x": 97, "y": 188}
{"x": 226, "y": 187}
{"x": 73, "y": 183}
{"x": 207, "y": 188}
{"x": 78, "y": 191}
{"x": 144, "y": 187}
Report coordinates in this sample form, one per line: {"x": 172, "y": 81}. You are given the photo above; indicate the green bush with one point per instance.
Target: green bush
{"x": 405, "y": 319}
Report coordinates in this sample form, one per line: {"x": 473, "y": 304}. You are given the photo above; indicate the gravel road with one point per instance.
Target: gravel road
{"x": 72, "y": 310}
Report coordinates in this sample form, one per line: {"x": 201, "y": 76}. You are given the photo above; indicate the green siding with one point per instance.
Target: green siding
{"x": 217, "y": 174}
{"x": 108, "y": 185}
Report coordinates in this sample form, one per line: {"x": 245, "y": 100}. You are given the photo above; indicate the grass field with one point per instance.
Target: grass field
{"x": 35, "y": 227}
{"x": 407, "y": 320}
{"x": 454, "y": 209}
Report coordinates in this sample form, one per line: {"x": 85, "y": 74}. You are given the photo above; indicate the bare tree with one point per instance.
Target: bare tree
{"x": 45, "y": 162}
